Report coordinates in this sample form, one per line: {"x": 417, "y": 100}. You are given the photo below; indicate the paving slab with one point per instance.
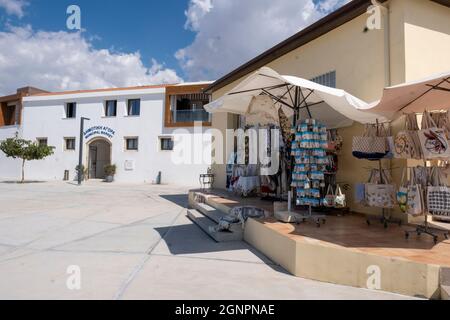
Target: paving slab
{"x": 131, "y": 241}
{"x": 165, "y": 277}
{"x": 128, "y": 239}
{"x": 71, "y": 233}
{"x": 44, "y": 275}
{"x": 23, "y": 229}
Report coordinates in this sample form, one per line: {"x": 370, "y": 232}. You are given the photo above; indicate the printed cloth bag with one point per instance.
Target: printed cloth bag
{"x": 438, "y": 195}
{"x": 414, "y": 200}
{"x": 360, "y": 193}
{"x": 406, "y": 142}
{"x": 340, "y": 200}
{"x": 443, "y": 121}
{"x": 414, "y": 203}
{"x": 369, "y": 146}
{"x": 402, "y": 194}
{"x": 438, "y": 200}
{"x": 330, "y": 198}
{"x": 433, "y": 140}
{"x": 380, "y": 195}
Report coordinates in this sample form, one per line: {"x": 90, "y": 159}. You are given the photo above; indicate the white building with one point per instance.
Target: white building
{"x": 142, "y": 130}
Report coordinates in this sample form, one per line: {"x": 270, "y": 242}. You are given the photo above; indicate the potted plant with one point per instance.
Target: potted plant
{"x": 110, "y": 171}
{"x": 84, "y": 172}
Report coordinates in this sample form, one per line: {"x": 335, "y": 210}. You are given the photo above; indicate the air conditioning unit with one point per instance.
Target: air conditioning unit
{"x": 129, "y": 165}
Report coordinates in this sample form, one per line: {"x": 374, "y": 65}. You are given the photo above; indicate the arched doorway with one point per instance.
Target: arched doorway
{"x": 98, "y": 157}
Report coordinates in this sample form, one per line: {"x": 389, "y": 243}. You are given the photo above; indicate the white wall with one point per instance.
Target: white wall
{"x": 9, "y": 168}
{"x": 44, "y": 117}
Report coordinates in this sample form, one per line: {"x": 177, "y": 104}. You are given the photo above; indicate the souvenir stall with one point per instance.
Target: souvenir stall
{"x": 309, "y": 115}
{"x": 423, "y": 190}
{"x": 248, "y": 175}
{"x": 376, "y": 145}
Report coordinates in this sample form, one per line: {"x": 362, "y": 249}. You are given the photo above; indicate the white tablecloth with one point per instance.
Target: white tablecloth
{"x": 246, "y": 185}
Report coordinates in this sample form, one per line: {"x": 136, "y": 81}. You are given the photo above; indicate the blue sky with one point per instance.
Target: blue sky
{"x": 155, "y": 28}
{"x": 139, "y": 42}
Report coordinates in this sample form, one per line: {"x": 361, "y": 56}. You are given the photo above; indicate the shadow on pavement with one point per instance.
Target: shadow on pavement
{"x": 181, "y": 200}
{"x": 190, "y": 239}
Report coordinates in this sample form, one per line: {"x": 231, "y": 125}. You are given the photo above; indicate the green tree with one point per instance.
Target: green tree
{"x": 25, "y": 150}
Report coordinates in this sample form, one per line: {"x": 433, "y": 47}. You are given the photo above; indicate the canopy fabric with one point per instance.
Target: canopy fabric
{"x": 431, "y": 93}
{"x": 262, "y": 111}
{"x": 333, "y": 107}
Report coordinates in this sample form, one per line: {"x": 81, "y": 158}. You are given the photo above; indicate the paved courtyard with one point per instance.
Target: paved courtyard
{"x": 131, "y": 242}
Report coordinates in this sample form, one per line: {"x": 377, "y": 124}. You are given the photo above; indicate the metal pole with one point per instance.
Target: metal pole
{"x": 80, "y": 159}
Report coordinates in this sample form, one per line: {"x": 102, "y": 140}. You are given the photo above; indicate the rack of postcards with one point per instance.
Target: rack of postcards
{"x": 310, "y": 165}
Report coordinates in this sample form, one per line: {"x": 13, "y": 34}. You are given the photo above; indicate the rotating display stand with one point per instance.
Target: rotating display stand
{"x": 310, "y": 158}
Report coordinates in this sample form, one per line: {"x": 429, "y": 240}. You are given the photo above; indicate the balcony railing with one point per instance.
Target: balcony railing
{"x": 190, "y": 116}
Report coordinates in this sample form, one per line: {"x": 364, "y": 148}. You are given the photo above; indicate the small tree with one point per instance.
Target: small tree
{"x": 26, "y": 150}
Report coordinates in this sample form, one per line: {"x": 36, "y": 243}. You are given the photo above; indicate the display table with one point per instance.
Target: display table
{"x": 247, "y": 185}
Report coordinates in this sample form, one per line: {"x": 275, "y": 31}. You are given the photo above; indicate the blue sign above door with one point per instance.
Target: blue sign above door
{"x": 99, "y": 131}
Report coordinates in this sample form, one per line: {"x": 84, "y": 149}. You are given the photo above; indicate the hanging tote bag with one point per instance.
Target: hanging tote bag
{"x": 438, "y": 195}
{"x": 385, "y": 131}
{"x": 414, "y": 205}
{"x": 369, "y": 146}
{"x": 433, "y": 140}
{"x": 340, "y": 201}
{"x": 402, "y": 194}
{"x": 330, "y": 197}
{"x": 444, "y": 123}
{"x": 406, "y": 142}
{"x": 360, "y": 193}
{"x": 380, "y": 195}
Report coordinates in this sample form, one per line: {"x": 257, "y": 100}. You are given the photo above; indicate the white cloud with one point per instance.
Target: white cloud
{"x": 231, "y": 32}
{"x": 14, "y": 7}
{"x": 67, "y": 61}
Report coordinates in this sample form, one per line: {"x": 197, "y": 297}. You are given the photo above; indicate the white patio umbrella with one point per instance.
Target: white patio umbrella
{"x": 333, "y": 107}
{"x": 431, "y": 93}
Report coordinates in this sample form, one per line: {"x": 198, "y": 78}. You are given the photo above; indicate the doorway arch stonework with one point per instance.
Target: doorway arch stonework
{"x": 99, "y": 155}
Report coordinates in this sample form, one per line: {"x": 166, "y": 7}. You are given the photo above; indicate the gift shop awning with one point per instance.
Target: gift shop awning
{"x": 334, "y": 107}
{"x": 431, "y": 93}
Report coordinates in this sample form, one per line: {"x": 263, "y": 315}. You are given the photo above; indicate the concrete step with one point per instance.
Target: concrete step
{"x": 215, "y": 215}
{"x": 211, "y": 201}
{"x": 208, "y": 225}
{"x": 209, "y": 211}
{"x": 445, "y": 283}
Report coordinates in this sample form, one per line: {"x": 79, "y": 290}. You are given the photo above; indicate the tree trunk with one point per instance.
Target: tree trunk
{"x": 23, "y": 170}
